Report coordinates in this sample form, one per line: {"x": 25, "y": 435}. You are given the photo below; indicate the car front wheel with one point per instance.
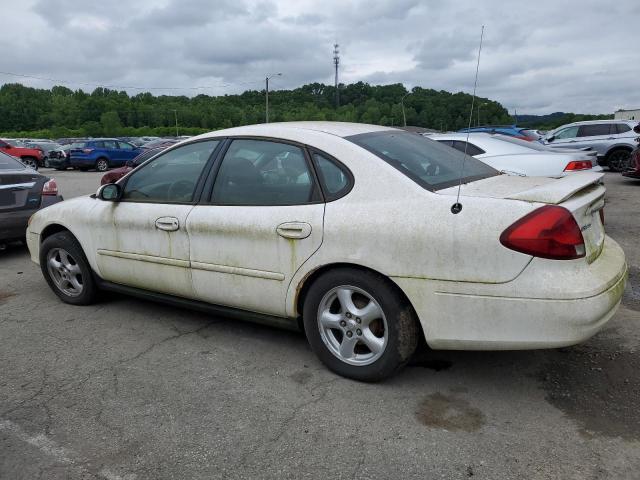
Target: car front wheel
{"x": 359, "y": 325}
{"x": 617, "y": 160}
{"x": 66, "y": 269}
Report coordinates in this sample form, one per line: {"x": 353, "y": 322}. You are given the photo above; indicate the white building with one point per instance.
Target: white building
{"x": 627, "y": 114}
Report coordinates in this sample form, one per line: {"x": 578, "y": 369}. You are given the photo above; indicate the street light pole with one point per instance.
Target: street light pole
{"x": 404, "y": 117}
{"x": 267, "y": 78}
{"x": 175, "y": 113}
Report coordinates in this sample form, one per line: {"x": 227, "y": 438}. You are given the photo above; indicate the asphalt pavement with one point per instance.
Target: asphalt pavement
{"x": 127, "y": 389}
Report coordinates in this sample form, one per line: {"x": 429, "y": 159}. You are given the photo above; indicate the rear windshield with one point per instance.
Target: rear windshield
{"x": 427, "y": 162}
{"x": 7, "y": 162}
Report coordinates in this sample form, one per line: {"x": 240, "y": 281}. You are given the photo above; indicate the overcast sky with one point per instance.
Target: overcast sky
{"x": 538, "y": 57}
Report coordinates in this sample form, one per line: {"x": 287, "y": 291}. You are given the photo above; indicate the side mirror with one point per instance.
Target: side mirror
{"x": 550, "y": 139}
{"x": 111, "y": 192}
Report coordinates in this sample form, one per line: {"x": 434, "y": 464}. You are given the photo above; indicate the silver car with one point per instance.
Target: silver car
{"x": 613, "y": 140}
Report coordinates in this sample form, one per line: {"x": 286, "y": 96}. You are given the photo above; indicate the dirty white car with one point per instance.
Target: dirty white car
{"x": 348, "y": 230}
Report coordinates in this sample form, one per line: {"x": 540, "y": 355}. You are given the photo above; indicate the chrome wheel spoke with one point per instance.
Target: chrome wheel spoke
{"x": 375, "y": 344}
{"x": 74, "y": 283}
{"x": 65, "y": 273}
{"x": 369, "y": 313}
{"x": 74, "y": 269}
{"x": 330, "y": 320}
{"x": 346, "y": 301}
{"x": 347, "y": 347}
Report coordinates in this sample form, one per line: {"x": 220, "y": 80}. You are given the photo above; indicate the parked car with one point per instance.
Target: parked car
{"x": 116, "y": 174}
{"x": 160, "y": 142}
{"x": 59, "y": 158}
{"x": 46, "y": 147}
{"x": 519, "y": 157}
{"x": 633, "y": 165}
{"x": 510, "y": 130}
{"x": 353, "y": 231}
{"x": 101, "y": 154}
{"x": 22, "y": 192}
{"x": 31, "y": 157}
{"x": 613, "y": 140}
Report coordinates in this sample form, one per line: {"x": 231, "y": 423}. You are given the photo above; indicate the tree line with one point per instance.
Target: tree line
{"x": 62, "y": 112}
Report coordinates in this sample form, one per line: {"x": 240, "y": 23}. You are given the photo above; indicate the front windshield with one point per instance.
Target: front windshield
{"x": 430, "y": 164}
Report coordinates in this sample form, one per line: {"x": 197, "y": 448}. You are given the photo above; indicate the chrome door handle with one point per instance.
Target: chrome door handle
{"x": 168, "y": 224}
{"x": 294, "y": 230}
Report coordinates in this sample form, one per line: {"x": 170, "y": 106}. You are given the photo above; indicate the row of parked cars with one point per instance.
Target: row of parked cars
{"x": 81, "y": 153}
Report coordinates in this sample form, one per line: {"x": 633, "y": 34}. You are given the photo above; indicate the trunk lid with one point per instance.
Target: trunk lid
{"x": 582, "y": 193}
{"x": 20, "y": 190}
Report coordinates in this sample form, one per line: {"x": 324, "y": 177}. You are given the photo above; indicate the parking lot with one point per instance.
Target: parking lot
{"x": 128, "y": 389}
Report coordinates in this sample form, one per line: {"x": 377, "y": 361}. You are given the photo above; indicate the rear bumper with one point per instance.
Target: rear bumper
{"x": 632, "y": 174}
{"x": 548, "y": 305}
{"x": 58, "y": 162}
{"x": 13, "y": 225}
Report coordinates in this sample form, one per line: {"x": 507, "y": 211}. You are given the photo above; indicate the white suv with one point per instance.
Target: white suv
{"x": 614, "y": 140}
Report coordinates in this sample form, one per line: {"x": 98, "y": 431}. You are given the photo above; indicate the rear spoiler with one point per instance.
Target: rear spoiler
{"x": 560, "y": 190}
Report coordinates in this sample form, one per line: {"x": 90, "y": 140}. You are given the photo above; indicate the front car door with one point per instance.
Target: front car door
{"x": 126, "y": 152}
{"x": 263, "y": 220}
{"x": 142, "y": 239}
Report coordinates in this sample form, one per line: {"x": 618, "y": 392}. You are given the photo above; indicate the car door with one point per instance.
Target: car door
{"x": 565, "y": 138}
{"x": 595, "y": 136}
{"x": 263, "y": 220}
{"x": 142, "y": 239}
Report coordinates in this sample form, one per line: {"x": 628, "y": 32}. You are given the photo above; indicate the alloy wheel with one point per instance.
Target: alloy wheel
{"x": 102, "y": 165}
{"x": 352, "y": 325}
{"x": 65, "y": 272}
{"x": 618, "y": 160}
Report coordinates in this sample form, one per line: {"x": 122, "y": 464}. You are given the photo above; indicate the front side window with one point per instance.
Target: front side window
{"x": 261, "y": 172}
{"x": 110, "y": 144}
{"x": 594, "y": 130}
{"x": 570, "y": 132}
{"x": 125, "y": 146}
{"x": 430, "y": 164}
{"x": 171, "y": 177}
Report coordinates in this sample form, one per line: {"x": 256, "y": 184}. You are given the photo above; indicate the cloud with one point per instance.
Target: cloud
{"x": 540, "y": 57}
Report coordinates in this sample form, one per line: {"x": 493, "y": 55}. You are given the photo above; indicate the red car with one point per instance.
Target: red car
{"x": 117, "y": 173}
{"x": 31, "y": 157}
{"x": 634, "y": 159}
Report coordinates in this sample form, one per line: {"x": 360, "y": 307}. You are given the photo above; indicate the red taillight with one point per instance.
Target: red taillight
{"x": 548, "y": 232}
{"x": 87, "y": 150}
{"x": 578, "y": 165}
{"x": 50, "y": 188}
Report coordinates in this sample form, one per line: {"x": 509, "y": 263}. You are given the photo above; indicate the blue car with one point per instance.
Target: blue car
{"x": 511, "y": 130}
{"x": 100, "y": 154}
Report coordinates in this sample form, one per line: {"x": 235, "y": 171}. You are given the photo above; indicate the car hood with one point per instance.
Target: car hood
{"x": 529, "y": 189}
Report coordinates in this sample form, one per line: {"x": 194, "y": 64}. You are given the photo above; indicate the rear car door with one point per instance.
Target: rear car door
{"x": 142, "y": 239}
{"x": 595, "y": 136}
{"x": 263, "y": 220}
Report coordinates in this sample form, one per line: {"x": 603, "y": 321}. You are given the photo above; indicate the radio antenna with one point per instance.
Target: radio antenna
{"x": 457, "y": 207}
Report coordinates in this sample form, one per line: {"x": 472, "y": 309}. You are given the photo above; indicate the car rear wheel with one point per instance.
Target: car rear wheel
{"x": 45, "y": 163}
{"x": 359, "y": 325}
{"x": 618, "y": 159}
{"x": 30, "y": 162}
{"x": 102, "y": 165}
{"x": 66, "y": 269}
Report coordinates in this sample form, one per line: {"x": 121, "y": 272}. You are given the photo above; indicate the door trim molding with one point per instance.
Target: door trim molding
{"x": 174, "y": 262}
{"x": 245, "y": 272}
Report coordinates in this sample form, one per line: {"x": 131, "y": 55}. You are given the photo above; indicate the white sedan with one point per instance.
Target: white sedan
{"x": 520, "y": 157}
{"x": 354, "y": 233}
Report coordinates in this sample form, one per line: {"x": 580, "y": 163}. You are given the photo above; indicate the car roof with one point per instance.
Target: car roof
{"x": 588, "y": 122}
{"x": 339, "y": 129}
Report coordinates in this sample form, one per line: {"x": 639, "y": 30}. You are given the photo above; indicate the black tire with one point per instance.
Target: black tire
{"x": 30, "y": 162}
{"x": 617, "y": 159}
{"x": 67, "y": 242}
{"x": 401, "y": 320}
{"x": 102, "y": 164}
{"x": 45, "y": 162}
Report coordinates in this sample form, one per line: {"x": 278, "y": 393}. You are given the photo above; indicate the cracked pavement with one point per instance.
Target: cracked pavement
{"x": 129, "y": 390}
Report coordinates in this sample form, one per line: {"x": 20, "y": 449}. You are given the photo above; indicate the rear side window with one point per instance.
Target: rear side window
{"x": 7, "y": 162}
{"x": 471, "y": 148}
{"x": 594, "y": 130}
{"x": 111, "y": 144}
{"x": 428, "y": 163}
{"x": 622, "y": 128}
{"x": 336, "y": 180}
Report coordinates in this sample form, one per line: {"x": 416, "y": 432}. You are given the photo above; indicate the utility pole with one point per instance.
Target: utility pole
{"x": 336, "y": 62}
{"x": 175, "y": 114}
{"x": 267, "y": 78}
{"x": 404, "y": 117}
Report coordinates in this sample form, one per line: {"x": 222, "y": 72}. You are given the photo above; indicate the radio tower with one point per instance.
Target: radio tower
{"x": 336, "y": 62}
